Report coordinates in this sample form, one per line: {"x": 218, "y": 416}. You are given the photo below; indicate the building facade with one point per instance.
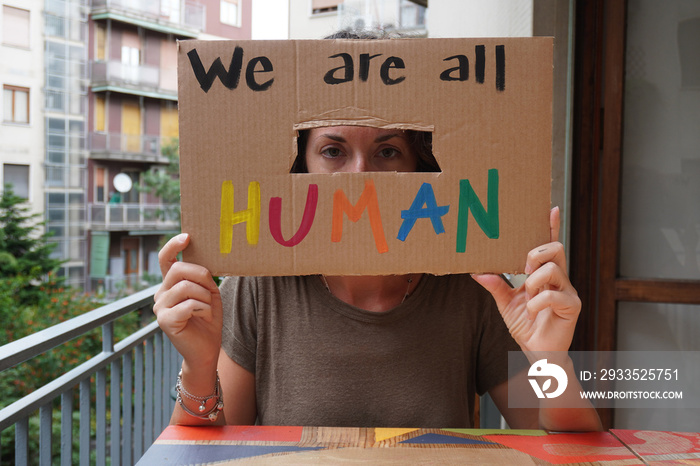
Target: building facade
{"x": 132, "y": 108}
{"x": 22, "y": 81}
{"x": 108, "y": 110}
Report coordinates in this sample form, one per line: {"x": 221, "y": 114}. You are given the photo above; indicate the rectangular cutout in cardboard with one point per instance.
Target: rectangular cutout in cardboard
{"x": 487, "y": 102}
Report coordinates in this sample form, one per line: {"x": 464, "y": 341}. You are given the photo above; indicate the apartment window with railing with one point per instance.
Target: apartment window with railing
{"x": 15, "y": 104}
{"x": 15, "y": 27}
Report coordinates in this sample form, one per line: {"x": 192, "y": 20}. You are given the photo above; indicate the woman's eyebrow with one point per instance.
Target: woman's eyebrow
{"x": 386, "y": 137}
{"x": 334, "y": 137}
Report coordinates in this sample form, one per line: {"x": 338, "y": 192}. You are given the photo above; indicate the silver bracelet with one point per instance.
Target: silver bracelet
{"x": 210, "y": 415}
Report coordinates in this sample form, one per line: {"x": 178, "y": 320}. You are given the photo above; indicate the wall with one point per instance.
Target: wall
{"x": 19, "y": 143}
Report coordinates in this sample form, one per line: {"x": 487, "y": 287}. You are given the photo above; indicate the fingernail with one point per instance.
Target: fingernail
{"x": 528, "y": 269}
{"x": 182, "y": 237}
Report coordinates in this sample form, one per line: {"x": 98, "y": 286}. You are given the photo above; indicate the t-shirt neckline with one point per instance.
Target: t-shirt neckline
{"x": 348, "y": 310}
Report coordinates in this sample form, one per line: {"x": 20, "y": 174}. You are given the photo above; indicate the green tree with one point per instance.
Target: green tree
{"x": 165, "y": 183}
{"x": 25, "y": 252}
{"x": 33, "y": 298}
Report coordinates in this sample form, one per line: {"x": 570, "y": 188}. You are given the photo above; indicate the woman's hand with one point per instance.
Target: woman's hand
{"x": 541, "y": 315}
{"x": 188, "y": 306}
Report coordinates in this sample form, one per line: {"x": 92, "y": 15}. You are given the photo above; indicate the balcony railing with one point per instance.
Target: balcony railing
{"x": 115, "y": 285}
{"x": 133, "y": 382}
{"x": 133, "y": 216}
{"x": 132, "y": 147}
{"x": 141, "y": 79}
{"x": 187, "y": 14}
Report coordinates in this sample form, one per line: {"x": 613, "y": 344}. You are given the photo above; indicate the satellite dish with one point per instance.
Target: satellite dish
{"x": 122, "y": 183}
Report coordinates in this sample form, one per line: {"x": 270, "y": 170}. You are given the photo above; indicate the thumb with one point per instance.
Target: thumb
{"x": 495, "y": 285}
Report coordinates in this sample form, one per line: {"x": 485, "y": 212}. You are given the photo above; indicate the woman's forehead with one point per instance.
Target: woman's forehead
{"x": 343, "y": 133}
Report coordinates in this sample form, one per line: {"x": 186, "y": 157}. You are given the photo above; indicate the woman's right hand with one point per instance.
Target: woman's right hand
{"x": 188, "y": 306}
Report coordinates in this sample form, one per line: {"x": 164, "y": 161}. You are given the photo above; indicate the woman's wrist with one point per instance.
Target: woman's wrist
{"x": 208, "y": 406}
{"x": 199, "y": 379}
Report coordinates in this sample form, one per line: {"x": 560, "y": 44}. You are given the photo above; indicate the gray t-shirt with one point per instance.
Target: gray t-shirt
{"x": 322, "y": 362}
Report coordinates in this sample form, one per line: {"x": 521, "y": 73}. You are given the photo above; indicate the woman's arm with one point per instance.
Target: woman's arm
{"x": 189, "y": 311}
{"x": 566, "y": 413}
{"x": 541, "y": 316}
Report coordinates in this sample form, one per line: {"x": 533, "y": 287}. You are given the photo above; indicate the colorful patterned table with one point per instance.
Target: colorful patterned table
{"x": 179, "y": 445}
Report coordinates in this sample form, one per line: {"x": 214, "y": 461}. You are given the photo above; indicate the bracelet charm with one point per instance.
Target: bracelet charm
{"x": 210, "y": 415}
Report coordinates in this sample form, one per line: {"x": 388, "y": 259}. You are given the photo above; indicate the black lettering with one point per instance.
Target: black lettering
{"x": 364, "y": 65}
{"x": 500, "y": 68}
{"x": 228, "y": 78}
{"x": 348, "y": 66}
{"x": 250, "y": 73}
{"x": 480, "y": 64}
{"x": 462, "y": 69}
{"x": 391, "y": 62}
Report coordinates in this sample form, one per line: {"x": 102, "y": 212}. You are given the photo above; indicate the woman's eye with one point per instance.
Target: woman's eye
{"x": 331, "y": 152}
{"x": 388, "y": 152}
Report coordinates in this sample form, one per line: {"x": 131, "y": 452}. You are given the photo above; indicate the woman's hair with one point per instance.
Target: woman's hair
{"x": 421, "y": 142}
{"x": 364, "y": 34}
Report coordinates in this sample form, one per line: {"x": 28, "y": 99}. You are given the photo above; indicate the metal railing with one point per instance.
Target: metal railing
{"x": 188, "y": 13}
{"x": 140, "y": 146}
{"x": 135, "y": 375}
{"x": 115, "y": 286}
{"x": 140, "y": 76}
{"x": 133, "y": 216}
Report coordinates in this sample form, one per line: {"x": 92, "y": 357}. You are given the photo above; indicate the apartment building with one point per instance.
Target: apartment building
{"x": 132, "y": 103}
{"x": 314, "y": 19}
{"x": 109, "y": 107}
{"x": 21, "y": 79}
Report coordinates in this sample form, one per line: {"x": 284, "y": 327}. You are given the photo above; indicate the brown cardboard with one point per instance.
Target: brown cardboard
{"x": 244, "y": 131}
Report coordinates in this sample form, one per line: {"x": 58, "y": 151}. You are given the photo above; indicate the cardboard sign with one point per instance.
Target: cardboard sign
{"x": 487, "y": 102}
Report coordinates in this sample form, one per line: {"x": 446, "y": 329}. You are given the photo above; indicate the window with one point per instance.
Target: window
{"x": 230, "y": 12}
{"x": 100, "y": 41}
{"x": 100, "y": 177}
{"x": 100, "y": 114}
{"x": 412, "y": 15}
{"x": 15, "y": 27}
{"x": 324, "y": 6}
{"x": 132, "y": 196}
{"x": 18, "y": 177}
{"x": 131, "y": 59}
{"x": 15, "y": 104}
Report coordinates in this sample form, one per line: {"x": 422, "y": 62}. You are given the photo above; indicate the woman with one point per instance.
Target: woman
{"x": 401, "y": 350}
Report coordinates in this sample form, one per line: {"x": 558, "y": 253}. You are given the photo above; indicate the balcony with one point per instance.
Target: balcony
{"x": 127, "y": 147}
{"x": 185, "y": 18}
{"x": 132, "y": 386}
{"x": 141, "y": 80}
{"x": 139, "y": 217}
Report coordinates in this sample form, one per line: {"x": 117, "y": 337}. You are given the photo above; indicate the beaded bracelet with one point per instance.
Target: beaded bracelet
{"x": 210, "y": 415}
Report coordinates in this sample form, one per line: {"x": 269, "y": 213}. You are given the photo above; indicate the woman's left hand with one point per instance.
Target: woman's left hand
{"x": 541, "y": 314}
